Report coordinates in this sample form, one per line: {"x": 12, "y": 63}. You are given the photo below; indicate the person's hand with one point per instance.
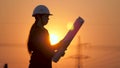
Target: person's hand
{"x": 63, "y": 54}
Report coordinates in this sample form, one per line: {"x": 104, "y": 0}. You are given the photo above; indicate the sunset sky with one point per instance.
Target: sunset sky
{"x": 101, "y": 19}
{"x": 101, "y": 27}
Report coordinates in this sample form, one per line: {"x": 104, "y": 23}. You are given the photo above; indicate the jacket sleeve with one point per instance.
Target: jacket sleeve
{"x": 57, "y": 46}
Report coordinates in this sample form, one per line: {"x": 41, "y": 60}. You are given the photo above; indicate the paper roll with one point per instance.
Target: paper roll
{"x": 68, "y": 38}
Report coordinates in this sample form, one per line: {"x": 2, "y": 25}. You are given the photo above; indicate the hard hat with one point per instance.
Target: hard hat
{"x": 41, "y": 9}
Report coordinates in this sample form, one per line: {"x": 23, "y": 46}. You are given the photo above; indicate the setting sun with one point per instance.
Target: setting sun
{"x": 53, "y": 39}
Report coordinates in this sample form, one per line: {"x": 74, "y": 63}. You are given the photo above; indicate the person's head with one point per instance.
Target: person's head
{"x": 41, "y": 14}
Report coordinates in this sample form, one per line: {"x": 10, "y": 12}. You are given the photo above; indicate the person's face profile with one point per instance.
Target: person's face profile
{"x": 45, "y": 19}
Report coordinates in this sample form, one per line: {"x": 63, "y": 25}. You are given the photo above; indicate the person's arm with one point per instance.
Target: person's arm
{"x": 57, "y": 46}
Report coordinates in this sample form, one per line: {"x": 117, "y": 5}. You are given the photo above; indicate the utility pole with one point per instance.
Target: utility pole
{"x": 79, "y": 53}
{"x": 80, "y": 56}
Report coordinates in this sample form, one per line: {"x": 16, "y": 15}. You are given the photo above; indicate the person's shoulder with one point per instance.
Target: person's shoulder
{"x": 42, "y": 30}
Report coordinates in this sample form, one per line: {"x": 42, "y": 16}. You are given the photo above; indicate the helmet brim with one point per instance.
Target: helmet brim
{"x": 41, "y": 14}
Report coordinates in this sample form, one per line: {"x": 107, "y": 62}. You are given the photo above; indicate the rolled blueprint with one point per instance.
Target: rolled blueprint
{"x": 68, "y": 38}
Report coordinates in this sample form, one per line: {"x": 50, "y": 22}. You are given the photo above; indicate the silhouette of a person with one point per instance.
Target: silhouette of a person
{"x": 39, "y": 46}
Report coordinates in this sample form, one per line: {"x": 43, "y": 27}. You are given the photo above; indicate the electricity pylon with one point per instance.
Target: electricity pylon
{"x": 80, "y": 56}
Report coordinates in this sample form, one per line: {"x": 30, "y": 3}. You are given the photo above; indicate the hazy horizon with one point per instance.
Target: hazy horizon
{"x": 97, "y": 57}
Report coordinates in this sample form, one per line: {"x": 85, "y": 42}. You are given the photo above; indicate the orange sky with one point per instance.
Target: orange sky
{"x": 101, "y": 25}
{"x": 101, "y": 19}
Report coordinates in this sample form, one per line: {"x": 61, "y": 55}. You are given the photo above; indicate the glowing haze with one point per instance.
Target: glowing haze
{"x": 101, "y": 19}
{"x": 101, "y": 27}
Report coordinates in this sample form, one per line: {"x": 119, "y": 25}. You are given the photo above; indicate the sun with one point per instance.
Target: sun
{"x": 53, "y": 39}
